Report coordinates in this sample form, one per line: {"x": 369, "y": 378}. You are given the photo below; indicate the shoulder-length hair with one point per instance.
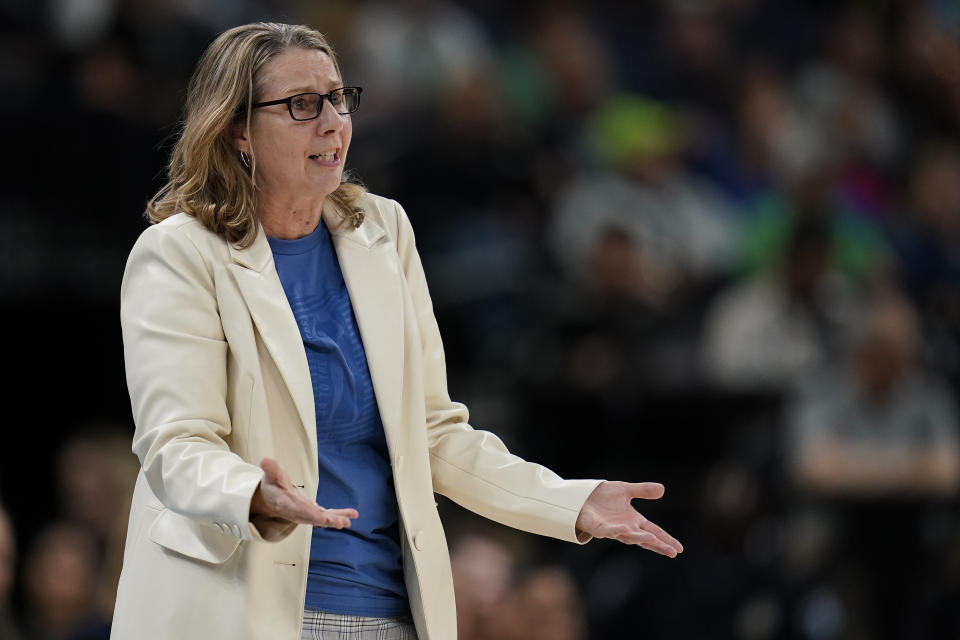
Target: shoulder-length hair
{"x": 205, "y": 176}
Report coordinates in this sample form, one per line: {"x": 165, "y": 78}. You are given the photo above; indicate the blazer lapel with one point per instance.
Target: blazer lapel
{"x": 260, "y": 286}
{"x": 371, "y": 270}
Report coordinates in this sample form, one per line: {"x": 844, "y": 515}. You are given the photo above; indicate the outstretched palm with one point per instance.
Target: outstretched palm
{"x": 607, "y": 513}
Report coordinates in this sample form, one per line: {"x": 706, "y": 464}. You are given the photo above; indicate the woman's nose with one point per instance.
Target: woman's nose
{"x": 329, "y": 121}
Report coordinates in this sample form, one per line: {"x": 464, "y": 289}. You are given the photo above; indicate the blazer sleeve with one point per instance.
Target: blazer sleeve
{"x": 175, "y": 357}
{"x": 473, "y": 467}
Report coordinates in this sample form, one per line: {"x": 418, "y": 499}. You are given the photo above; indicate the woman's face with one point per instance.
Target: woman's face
{"x": 297, "y": 160}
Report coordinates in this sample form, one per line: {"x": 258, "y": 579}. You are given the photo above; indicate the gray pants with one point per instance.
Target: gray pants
{"x": 320, "y": 625}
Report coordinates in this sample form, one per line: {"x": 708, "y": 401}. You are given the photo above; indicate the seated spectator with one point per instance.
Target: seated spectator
{"x": 765, "y": 333}
{"x": 60, "y": 579}
{"x": 877, "y": 424}
{"x": 673, "y": 230}
{"x": 841, "y": 95}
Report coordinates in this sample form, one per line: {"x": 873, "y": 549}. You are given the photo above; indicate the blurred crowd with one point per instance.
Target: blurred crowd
{"x": 714, "y": 243}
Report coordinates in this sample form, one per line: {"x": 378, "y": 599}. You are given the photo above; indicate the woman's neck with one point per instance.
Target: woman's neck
{"x": 291, "y": 219}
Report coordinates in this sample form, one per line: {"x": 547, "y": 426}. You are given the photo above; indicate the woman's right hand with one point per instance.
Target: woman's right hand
{"x": 277, "y": 499}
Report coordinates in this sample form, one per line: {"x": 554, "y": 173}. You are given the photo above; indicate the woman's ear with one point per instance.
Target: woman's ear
{"x": 237, "y": 133}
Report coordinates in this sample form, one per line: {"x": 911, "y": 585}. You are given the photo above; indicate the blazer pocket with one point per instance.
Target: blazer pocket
{"x": 190, "y": 538}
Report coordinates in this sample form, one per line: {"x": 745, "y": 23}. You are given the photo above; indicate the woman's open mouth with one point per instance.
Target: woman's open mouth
{"x": 327, "y": 158}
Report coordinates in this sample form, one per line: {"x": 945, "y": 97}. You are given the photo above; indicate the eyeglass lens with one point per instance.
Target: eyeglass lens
{"x": 306, "y": 106}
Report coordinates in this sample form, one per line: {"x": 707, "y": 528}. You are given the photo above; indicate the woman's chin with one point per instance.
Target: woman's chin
{"x": 326, "y": 184}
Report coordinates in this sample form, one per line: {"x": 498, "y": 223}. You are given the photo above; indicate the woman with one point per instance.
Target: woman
{"x": 282, "y": 354}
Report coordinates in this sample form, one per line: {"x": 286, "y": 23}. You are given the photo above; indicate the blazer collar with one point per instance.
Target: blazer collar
{"x": 257, "y": 256}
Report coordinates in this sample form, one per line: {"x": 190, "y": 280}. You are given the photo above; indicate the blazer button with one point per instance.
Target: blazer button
{"x": 419, "y": 540}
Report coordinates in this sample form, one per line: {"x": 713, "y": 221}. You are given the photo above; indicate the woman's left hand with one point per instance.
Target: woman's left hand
{"x": 607, "y": 513}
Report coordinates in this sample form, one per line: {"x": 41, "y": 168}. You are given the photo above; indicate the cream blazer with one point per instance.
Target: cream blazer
{"x": 218, "y": 379}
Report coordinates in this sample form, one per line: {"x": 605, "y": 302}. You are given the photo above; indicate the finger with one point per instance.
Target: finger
{"x": 308, "y": 512}
{"x": 346, "y": 513}
{"x": 332, "y": 518}
{"x": 277, "y": 475}
{"x": 271, "y": 470}
{"x": 613, "y": 531}
{"x": 661, "y": 534}
{"x": 645, "y": 490}
{"x": 648, "y": 541}
{"x": 331, "y": 522}
{"x": 334, "y": 521}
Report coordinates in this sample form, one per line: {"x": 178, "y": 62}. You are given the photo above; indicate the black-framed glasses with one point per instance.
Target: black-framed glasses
{"x": 307, "y": 106}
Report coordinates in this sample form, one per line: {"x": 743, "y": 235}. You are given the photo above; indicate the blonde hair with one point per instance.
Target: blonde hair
{"x": 205, "y": 176}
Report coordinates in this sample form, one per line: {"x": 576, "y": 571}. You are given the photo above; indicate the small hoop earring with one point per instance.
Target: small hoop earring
{"x": 245, "y": 159}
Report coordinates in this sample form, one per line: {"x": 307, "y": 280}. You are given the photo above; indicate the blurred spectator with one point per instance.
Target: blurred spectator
{"x": 409, "y": 52}
{"x": 927, "y": 238}
{"x": 877, "y": 424}
{"x": 926, "y": 68}
{"x": 768, "y": 145}
{"x": 697, "y": 55}
{"x": 482, "y": 580}
{"x": 61, "y": 572}
{"x": 637, "y": 239}
{"x": 8, "y": 562}
{"x": 96, "y": 472}
{"x": 644, "y": 229}
{"x": 557, "y": 69}
{"x": 469, "y": 144}
{"x": 766, "y": 332}
{"x": 96, "y": 475}
{"x": 546, "y": 605}
{"x": 870, "y": 441}
{"x": 841, "y": 94}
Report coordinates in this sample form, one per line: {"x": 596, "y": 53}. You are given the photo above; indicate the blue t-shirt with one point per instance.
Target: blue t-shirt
{"x": 358, "y": 570}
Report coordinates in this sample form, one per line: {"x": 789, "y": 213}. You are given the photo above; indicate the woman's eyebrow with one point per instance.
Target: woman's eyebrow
{"x": 334, "y": 85}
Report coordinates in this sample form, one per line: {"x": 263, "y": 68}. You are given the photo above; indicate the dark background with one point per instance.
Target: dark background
{"x": 479, "y": 125}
